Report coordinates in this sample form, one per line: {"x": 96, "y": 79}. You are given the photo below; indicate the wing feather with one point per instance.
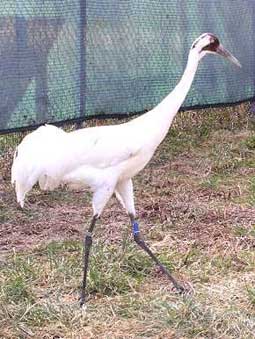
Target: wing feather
{"x": 104, "y": 147}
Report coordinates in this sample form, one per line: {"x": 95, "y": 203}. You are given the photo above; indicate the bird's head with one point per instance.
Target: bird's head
{"x": 208, "y": 43}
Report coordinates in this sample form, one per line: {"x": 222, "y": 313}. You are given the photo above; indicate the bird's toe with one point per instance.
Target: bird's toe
{"x": 185, "y": 289}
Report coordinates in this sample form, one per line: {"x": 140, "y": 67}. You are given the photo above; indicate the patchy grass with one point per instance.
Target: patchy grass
{"x": 39, "y": 294}
{"x": 195, "y": 201}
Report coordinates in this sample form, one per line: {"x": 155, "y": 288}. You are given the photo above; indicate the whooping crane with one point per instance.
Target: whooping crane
{"x": 106, "y": 158}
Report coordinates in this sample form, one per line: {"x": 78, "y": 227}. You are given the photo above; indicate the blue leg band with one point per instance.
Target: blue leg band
{"x": 135, "y": 227}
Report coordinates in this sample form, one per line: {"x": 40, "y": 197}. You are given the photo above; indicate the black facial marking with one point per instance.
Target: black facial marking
{"x": 194, "y": 45}
{"x": 213, "y": 45}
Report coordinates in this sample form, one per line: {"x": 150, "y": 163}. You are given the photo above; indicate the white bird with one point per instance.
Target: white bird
{"x": 106, "y": 158}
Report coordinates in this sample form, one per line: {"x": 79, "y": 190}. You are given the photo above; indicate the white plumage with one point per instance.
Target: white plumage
{"x": 100, "y": 157}
{"x": 104, "y": 158}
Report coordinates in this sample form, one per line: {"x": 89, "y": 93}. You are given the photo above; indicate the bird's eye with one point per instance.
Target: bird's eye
{"x": 206, "y": 48}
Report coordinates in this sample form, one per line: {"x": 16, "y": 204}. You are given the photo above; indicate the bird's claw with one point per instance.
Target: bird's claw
{"x": 83, "y": 307}
{"x": 82, "y": 301}
{"x": 83, "y": 304}
{"x": 182, "y": 290}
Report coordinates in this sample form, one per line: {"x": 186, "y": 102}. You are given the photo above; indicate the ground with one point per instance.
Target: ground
{"x": 196, "y": 205}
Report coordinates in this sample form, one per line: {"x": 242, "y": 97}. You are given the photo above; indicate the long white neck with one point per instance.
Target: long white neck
{"x": 166, "y": 110}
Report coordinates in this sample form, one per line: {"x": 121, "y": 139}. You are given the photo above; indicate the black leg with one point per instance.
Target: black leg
{"x": 143, "y": 245}
{"x": 87, "y": 246}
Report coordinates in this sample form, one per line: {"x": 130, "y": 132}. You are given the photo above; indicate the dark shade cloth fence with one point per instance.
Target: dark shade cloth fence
{"x": 71, "y": 60}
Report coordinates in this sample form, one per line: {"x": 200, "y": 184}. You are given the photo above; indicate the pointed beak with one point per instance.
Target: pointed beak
{"x": 226, "y": 54}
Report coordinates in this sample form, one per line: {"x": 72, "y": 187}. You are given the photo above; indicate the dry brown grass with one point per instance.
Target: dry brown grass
{"x": 196, "y": 206}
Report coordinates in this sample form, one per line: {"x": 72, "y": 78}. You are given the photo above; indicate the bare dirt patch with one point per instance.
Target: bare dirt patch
{"x": 171, "y": 195}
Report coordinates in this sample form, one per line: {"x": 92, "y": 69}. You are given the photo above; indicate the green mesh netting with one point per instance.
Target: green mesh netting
{"x": 127, "y": 57}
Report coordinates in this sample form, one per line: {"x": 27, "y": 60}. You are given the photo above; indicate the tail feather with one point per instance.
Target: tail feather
{"x": 22, "y": 178}
{"x": 30, "y": 160}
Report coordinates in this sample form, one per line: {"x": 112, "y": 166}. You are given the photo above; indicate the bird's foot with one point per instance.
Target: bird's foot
{"x": 83, "y": 304}
{"x": 183, "y": 290}
{"x": 82, "y": 299}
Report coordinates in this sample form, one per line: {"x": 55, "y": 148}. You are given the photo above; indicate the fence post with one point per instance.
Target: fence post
{"x": 83, "y": 27}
